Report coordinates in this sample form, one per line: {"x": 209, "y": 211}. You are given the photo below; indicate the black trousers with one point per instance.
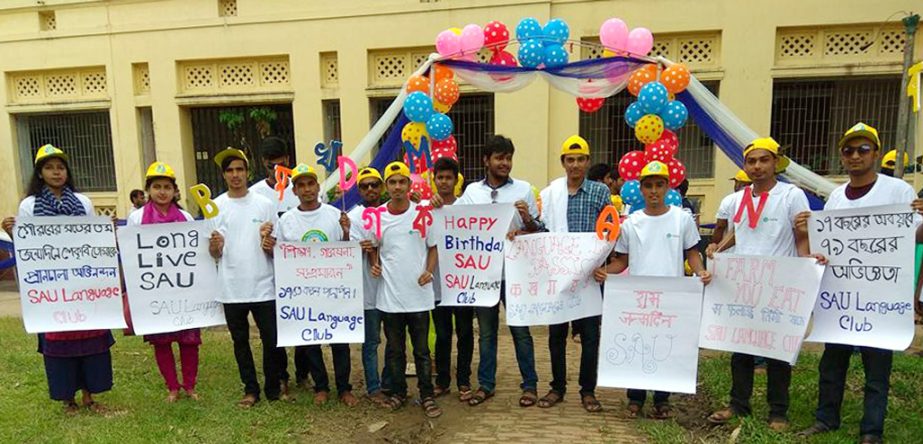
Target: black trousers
{"x": 779, "y": 378}
{"x": 397, "y": 327}
{"x": 464, "y": 329}
{"x": 264, "y": 315}
{"x": 833, "y": 367}
{"x": 318, "y": 369}
{"x": 589, "y": 354}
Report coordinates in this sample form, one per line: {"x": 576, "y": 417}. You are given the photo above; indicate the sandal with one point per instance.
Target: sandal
{"x": 634, "y": 411}
{"x": 529, "y": 398}
{"x": 441, "y": 391}
{"x": 378, "y": 397}
{"x": 430, "y": 408}
{"x": 591, "y": 404}
{"x": 393, "y": 403}
{"x": 464, "y": 393}
{"x": 247, "y": 401}
{"x": 349, "y": 398}
{"x": 479, "y": 397}
{"x": 96, "y": 407}
{"x": 721, "y": 416}
{"x": 71, "y": 408}
{"x": 550, "y": 399}
{"x": 662, "y": 411}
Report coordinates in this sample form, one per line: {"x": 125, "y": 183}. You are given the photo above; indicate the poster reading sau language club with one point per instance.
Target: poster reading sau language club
{"x": 866, "y": 296}
{"x": 68, "y": 273}
{"x": 319, "y": 293}
{"x": 170, "y": 278}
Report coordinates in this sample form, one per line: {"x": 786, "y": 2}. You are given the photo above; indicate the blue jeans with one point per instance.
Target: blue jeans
{"x": 370, "y": 354}
{"x": 488, "y": 323}
{"x": 833, "y": 367}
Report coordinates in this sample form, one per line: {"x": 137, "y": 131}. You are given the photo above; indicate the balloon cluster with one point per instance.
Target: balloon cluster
{"x": 540, "y": 45}
{"x": 615, "y": 37}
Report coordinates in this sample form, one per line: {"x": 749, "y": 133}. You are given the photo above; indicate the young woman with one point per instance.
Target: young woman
{"x": 74, "y": 360}
{"x": 162, "y": 207}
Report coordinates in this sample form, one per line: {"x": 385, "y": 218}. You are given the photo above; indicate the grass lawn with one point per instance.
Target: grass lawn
{"x": 139, "y": 413}
{"x": 904, "y": 423}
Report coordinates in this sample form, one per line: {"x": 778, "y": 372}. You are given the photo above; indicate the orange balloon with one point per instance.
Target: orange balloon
{"x": 418, "y": 83}
{"x": 442, "y": 73}
{"x": 642, "y": 76}
{"x": 446, "y": 91}
{"x": 675, "y": 78}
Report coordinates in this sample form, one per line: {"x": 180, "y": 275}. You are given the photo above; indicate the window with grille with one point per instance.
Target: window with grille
{"x": 610, "y": 137}
{"x": 332, "y": 129}
{"x": 810, "y": 115}
{"x": 86, "y": 137}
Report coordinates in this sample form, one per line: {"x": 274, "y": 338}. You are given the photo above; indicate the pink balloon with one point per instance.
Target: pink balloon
{"x": 447, "y": 43}
{"x": 613, "y": 34}
{"x": 472, "y": 39}
{"x": 640, "y": 41}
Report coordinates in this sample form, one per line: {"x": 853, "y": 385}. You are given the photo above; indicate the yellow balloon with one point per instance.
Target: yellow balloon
{"x": 649, "y": 128}
{"x": 608, "y": 53}
{"x": 441, "y": 107}
{"x": 456, "y": 31}
{"x": 458, "y": 185}
{"x": 413, "y": 132}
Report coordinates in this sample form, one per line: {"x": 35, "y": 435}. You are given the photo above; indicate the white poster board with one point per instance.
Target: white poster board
{"x": 470, "y": 242}
{"x": 650, "y": 332}
{"x": 549, "y": 277}
{"x": 319, "y": 293}
{"x": 170, "y": 278}
{"x": 68, "y": 273}
{"x": 866, "y": 296}
{"x": 759, "y": 305}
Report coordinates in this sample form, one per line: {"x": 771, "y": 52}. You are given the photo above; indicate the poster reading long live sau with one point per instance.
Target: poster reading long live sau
{"x": 68, "y": 273}
{"x": 170, "y": 278}
{"x": 866, "y": 296}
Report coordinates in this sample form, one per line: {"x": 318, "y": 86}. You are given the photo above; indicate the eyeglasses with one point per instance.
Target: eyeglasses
{"x": 369, "y": 186}
{"x": 493, "y": 196}
{"x": 863, "y": 149}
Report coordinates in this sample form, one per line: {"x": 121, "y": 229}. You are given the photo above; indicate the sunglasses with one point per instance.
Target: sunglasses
{"x": 369, "y": 186}
{"x": 863, "y": 149}
{"x": 493, "y": 196}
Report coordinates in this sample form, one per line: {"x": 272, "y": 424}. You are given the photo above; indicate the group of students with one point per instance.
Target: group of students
{"x": 400, "y": 268}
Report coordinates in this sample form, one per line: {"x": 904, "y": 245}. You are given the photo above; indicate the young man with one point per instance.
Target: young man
{"x": 572, "y": 204}
{"x": 312, "y": 221}
{"x": 406, "y": 264}
{"x": 370, "y": 188}
{"x": 725, "y": 212}
{"x": 654, "y": 242}
{"x": 246, "y": 276}
{"x": 274, "y": 152}
{"x": 446, "y": 177}
{"x": 859, "y": 154}
{"x": 773, "y": 235}
{"x": 889, "y": 162}
{"x": 138, "y": 199}
{"x": 499, "y": 187}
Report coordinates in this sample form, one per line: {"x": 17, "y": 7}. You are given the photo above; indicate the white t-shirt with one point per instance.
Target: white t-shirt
{"x": 289, "y": 199}
{"x": 135, "y": 217}
{"x": 245, "y": 271}
{"x": 319, "y": 225}
{"x": 27, "y": 206}
{"x": 510, "y": 192}
{"x": 357, "y": 233}
{"x": 656, "y": 245}
{"x": 403, "y": 259}
{"x": 774, "y": 234}
{"x": 886, "y": 191}
{"x": 726, "y": 213}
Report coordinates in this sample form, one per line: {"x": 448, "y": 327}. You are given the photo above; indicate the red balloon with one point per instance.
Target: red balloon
{"x": 677, "y": 172}
{"x": 502, "y": 58}
{"x": 590, "y": 105}
{"x": 419, "y": 164}
{"x": 664, "y": 148}
{"x": 447, "y": 144}
{"x": 496, "y": 36}
{"x": 631, "y": 164}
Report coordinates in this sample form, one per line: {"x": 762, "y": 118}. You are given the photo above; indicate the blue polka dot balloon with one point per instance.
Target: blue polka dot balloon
{"x": 673, "y": 198}
{"x": 556, "y": 32}
{"x": 674, "y": 115}
{"x": 418, "y": 107}
{"x": 636, "y": 207}
{"x": 633, "y": 113}
{"x": 554, "y": 56}
{"x": 528, "y": 28}
{"x": 631, "y": 192}
{"x": 531, "y": 53}
{"x": 652, "y": 97}
{"x": 439, "y": 126}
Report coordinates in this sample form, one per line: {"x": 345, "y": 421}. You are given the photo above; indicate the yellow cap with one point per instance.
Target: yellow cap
{"x": 769, "y": 144}
{"x": 741, "y": 176}
{"x": 231, "y": 152}
{"x": 368, "y": 172}
{"x": 160, "y": 169}
{"x": 890, "y": 159}
{"x": 861, "y": 130}
{"x": 303, "y": 169}
{"x": 48, "y": 151}
{"x": 575, "y": 145}
{"x": 396, "y": 168}
{"x": 655, "y": 169}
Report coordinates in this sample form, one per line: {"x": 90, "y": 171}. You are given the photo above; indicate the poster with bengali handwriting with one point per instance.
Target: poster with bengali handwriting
{"x": 549, "y": 277}
{"x": 319, "y": 293}
{"x": 866, "y": 295}
{"x": 170, "y": 278}
{"x": 759, "y": 305}
{"x": 650, "y": 337}
{"x": 68, "y": 273}
{"x": 470, "y": 242}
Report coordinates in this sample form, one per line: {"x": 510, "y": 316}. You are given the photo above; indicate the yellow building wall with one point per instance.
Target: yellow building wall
{"x": 166, "y": 34}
